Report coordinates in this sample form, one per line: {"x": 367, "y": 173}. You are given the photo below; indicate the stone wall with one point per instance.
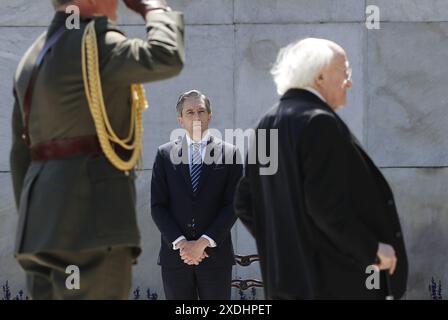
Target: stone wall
{"x": 397, "y": 106}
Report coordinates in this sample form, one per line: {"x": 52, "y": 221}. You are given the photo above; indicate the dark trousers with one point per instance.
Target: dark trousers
{"x": 104, "y": 274}
{"x": 193, "y": 283}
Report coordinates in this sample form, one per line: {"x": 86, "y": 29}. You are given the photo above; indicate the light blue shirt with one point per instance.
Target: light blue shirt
{"x": 203, "y": 143}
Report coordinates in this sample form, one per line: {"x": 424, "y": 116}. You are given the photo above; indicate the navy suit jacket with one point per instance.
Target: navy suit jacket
{"x": 177, "y": 211}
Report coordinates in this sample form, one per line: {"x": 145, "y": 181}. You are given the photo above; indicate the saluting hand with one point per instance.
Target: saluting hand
{"x": 142, "y": 7}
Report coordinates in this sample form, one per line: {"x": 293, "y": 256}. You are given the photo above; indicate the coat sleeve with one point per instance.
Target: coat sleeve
{"x": 126, "y": 61}
{"x": 20, "y": 157}
{"x": 226, "y": 217}
{"x": 243, "y": 202}
{"x": 327, "y": 195}
{"x": 160, "y": 200}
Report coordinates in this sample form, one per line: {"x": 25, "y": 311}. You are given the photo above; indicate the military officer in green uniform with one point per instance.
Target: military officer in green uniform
{"x": 72, "y": 166}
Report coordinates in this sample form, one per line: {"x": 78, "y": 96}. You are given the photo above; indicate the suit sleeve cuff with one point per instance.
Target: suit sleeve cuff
{"x": 175, "y": 242}
{"x": 211, "y": 242}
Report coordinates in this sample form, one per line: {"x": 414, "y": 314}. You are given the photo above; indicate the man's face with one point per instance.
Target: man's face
{"x": 335, "y": 81}
{"x": 106, "y": 8}
{"x": 194, "y": 118}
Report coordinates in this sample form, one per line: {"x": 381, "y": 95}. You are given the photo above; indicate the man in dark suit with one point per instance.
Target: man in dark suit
{"x": 75, "y": 207}
{"x": 327, "y": 214}
{"x": 192, "y": 191}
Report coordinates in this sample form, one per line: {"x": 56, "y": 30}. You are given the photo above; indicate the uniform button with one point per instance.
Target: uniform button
{"x": 398, "y": 234}
{"x": 390, "y": 202}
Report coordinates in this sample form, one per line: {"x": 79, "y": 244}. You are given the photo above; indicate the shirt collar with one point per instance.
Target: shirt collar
{"x": 315, "y": 92}
{"x": 203, "y": 142}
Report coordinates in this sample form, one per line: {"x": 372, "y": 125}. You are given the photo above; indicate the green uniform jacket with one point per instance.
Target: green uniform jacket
{"x": 83, "y": 202}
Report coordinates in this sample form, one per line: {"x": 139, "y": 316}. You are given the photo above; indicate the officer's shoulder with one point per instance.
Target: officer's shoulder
{"x": 23, "y": 61}
{"x": 110, "y": 30}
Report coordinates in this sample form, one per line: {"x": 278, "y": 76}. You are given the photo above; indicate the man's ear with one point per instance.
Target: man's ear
{"x": 319, "y": 80}
{"x": 179, "y": 119}
{"x": 86, "y": 4}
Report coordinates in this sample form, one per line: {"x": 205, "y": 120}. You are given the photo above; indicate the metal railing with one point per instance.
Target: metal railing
{"x": 244, "y": 284}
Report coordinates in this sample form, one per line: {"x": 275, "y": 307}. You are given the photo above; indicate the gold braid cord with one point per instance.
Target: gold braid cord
{"x": 94, "y": 93}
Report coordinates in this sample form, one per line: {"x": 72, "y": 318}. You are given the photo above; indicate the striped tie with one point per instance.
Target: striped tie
{"x": 196, "y": 166}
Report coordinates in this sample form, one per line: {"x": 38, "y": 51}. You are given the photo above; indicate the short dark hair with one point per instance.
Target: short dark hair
{"x": 192, "y": 94}
{"x": 58, "y": 3}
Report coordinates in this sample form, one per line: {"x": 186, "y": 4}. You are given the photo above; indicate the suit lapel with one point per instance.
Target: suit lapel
{"x": 214, "y": 151}
{"x": 183, "y": 169}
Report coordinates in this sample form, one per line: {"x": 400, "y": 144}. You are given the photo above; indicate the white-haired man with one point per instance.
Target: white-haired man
{"x": 327, "y": 214}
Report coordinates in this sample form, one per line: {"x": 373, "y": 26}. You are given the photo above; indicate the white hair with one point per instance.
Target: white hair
{"x": 299, "y": 63}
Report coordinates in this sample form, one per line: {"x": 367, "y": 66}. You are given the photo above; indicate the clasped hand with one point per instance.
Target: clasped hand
{"x": 193, "y": 252}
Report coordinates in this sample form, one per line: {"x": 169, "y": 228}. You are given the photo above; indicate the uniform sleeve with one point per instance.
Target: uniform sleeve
{"x": 127, "y": 61}
{"x": 20, "y": 158}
